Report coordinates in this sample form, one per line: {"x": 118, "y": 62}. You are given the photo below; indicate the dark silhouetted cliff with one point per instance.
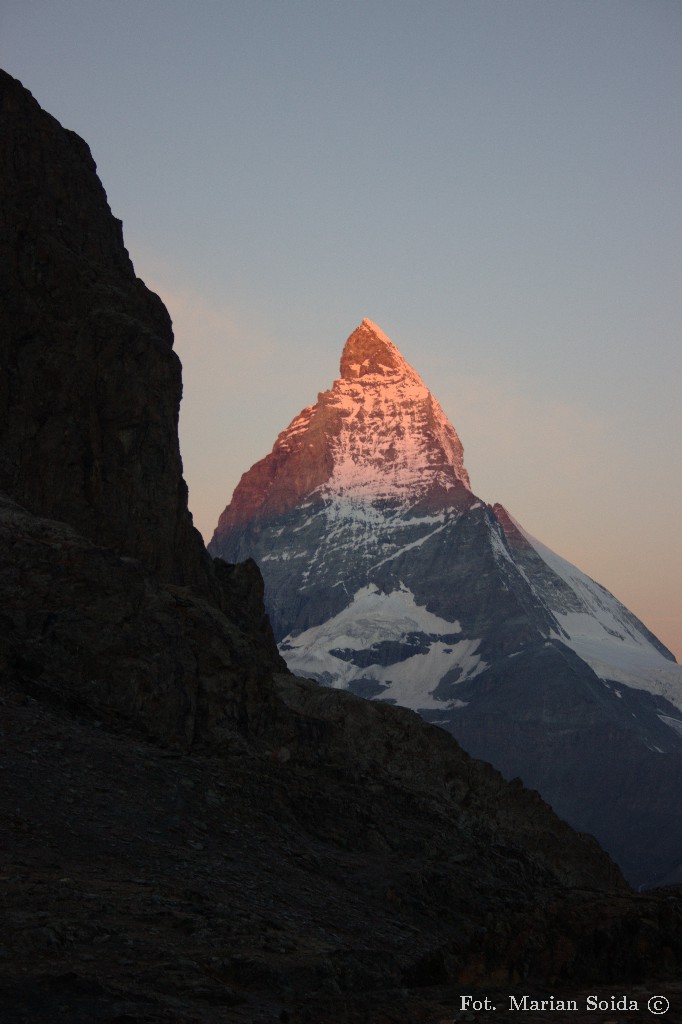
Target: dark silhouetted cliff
{"x": 190, "y": 833}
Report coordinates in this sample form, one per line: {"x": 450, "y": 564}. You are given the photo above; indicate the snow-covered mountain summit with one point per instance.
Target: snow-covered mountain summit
{"x": 387, "y": 576}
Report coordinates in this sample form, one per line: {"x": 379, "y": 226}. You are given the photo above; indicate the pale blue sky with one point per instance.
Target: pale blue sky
{"x": 496, "y": 183}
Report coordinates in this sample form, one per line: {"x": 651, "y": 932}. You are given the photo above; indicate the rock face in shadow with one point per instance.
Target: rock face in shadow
{"x": 90, "y": 392}
{"x": 190, "y": 833}
{"x": 90, "y": 386}
{"x": 87, "y": 628}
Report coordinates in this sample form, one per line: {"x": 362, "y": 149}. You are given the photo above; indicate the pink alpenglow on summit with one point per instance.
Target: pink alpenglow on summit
{"x": 394, "y": 438}
{"x": 377, "y": 435}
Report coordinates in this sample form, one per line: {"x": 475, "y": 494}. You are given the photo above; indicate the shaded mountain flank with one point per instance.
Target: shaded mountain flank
{"x": 190, "y": 833}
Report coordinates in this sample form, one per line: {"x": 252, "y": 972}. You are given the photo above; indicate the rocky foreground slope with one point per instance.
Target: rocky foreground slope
{"x": 190, "y": 833}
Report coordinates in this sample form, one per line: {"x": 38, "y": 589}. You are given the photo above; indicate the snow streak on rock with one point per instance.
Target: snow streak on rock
{"x": 594, "y": 623}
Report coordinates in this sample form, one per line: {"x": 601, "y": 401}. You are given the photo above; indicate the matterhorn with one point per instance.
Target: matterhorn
{"x": 387, "y": 576}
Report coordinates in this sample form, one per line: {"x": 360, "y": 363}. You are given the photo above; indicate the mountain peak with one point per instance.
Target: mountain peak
{"x": 385, "y": 575}
{"x": 369, "y": 350}
{"x": 377, "y": 436}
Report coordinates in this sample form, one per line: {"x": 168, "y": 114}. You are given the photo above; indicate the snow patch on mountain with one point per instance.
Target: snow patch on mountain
{"x": 371, "y": 623}
{"x": 371, "y": 612}
{"x": 607, "y": 636}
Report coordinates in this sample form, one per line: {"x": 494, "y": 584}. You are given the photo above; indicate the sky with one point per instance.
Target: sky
{"x": 495, "y": 183}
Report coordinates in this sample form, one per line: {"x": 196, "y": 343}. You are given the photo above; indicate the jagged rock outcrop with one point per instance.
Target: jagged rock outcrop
{"x": 190, "y": 834}
{"x": 90, "y": 392}
{"x": 90, "y": 386}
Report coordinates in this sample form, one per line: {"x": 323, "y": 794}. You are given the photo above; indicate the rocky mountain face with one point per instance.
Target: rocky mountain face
{"x": 386, "y": 576}
{"x": 74, "y": 322}
{"x": 191, "y": 834}
{"x": 97, "y": 607}
{"x": 375, "y": 437}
